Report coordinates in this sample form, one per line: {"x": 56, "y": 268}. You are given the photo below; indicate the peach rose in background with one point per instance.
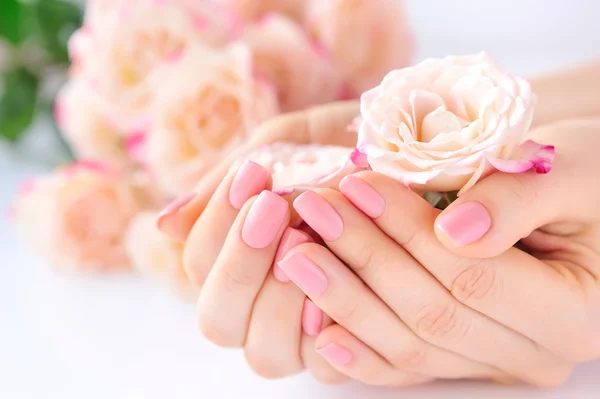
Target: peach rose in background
{"x": 77, "y": 216}
{"x": 83, "y": 117}
{"x": 120, "y": 54}
{"x": 365, "y": 38}
{"x": 249, "y": 10}
{"x": 446, "y": 123}
{"x": 283, "y": 54}
{"x": 153, "y": 253}
{"x": 207, "y": 104}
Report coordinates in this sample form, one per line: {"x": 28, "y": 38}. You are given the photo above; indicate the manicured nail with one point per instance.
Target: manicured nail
{"x": 290, "y": 238}
{"x": 320, "y": 215}
{"x": 335, "y": 354}
{"x": 165, "y": 221}
{"x": 363, "y": 196}
{"x": 250, "y": 180}
{"x": 465, "y": 224}
{"x": 304, "y": 273}
{"x": 264, "y": 220}
{"x": 312, "y": 318}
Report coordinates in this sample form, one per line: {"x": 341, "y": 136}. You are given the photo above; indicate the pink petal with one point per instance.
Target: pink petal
{"x": 135, "y": 145}
{"x": 359, "y": 159}
{"x": 26, "y": 186}
{"x": 528, "y": 155}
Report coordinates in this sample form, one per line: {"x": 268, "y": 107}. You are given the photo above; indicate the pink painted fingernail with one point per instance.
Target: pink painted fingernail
{"x": 335, "y": 354}
{"x": 363, "y": 196}
{"x": 312, "y": 318}
{"x": 264, "y": 220}
{"x": 304, "y": 273}
{"x": 320, "y": 215}
{"x": 465, "y": 223}
{"x": 250, "y": 180}
{"x": 165, "y": 221}
{"x": 290, "y": 238}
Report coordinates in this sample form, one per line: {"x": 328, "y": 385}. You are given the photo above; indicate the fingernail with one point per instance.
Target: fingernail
{"x": 264, "y": 220}
{"x": 465, "y": 224}
{"x": 320, "y": 215}
{"x": 312, "y": 318}
{"x": 290, "y": 238}
{"x": 335, "y": 354}
{"x": 165, "y": 216}
{"x": 250, "y": 180}
{"x": 363, "y": 196}
{"x": 304, "y": 273}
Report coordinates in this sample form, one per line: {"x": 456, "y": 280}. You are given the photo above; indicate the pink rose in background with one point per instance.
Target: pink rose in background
{"x": 365, "y": 38}
{"x": 120, "y": 54}
{"x": 83, "y": 117}
{"x": 283, "y": 54}
{"x": 207, "y": 104}
{"x": 446, "y": 123}
{"x": 249, "y": 10}
{"x": 153, "y": 253}
{"x": 76, "y": 217}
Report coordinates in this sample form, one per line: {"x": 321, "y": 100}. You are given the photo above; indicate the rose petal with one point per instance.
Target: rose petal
{"x": 527, "y": 156}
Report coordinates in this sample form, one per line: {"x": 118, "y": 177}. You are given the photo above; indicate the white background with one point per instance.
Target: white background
{"x": 122, "y": 337}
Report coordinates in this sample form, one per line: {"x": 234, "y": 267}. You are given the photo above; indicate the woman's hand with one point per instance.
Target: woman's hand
{"x": 529, "y": 316}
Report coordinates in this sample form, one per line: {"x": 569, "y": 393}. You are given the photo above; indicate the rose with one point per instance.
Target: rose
{"x": 82, "y": 116}
{"x": 120, "y": 52}
{"x": 283, "y": 54}
{"x": 153, "y": 253}
{"x": 77, "y": 216}
{"x": 207, "y": 104}
{"x": 446, "y": 123}
{"x": 365, "y": 38}
{"x": 253, "y": 9}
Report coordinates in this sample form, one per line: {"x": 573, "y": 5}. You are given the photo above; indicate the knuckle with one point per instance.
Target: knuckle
{"x": 477, "y": 281}
{"x": 267, "y": 366}
{"x": 552, "y": 377}
{"x": 522, "y": 187}
{"x": 347, "y": 311}
{"x": 216, "y": 333}
{"x": 441, "y": 321}
{"x": 239, "y": 277}
{"x": 411, "y": 358}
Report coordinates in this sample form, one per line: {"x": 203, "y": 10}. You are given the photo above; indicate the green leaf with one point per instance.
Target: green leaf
{"x": 11, "y": 16}
{"x": 55, "y": 20}
{"x": 17, "y": 103}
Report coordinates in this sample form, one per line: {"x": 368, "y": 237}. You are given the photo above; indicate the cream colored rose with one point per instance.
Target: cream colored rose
{"x": 154, "y": 254}
{"x": 120, "y": 54}
{"x": 83, "y": 118}
{"x": 76, "y": 217}
{"x": 249, "y": 10}
{"x": 365, "y": 38}
{"x": 446, "y": 123}
{"x": 282, "y": 54}
{"x": 208, "y": 103}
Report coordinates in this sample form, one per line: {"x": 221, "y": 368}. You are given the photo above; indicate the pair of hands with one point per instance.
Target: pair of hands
{"x": 410, "y": 302}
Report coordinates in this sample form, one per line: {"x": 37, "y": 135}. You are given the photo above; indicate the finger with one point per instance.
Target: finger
{"x": 208, "y": 235}
{"x": 326, "y": 124}
{"x": 229, "y": 292}
{"x": 353, "y": 358}
{"x": 344, "y": 297}
{"x": 511, "y": 288}
{"x": 503, "y": 208}
{"x": 272, "y": 346}
{"x": 420, "y": 301}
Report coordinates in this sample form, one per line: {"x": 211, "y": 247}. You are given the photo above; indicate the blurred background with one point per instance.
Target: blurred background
{"x": 117, "y": 337}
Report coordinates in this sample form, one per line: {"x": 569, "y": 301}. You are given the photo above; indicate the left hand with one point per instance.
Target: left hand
{"x": 531, "y": 317}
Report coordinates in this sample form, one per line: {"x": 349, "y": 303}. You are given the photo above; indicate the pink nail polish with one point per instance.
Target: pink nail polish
{"x": 320, "y": 215}
{"x": 335, "y": 354}
{"x": 250, "y": 180}
{"x": 304, "y": 273}
{"x": 264, "y": 220}
{"x": 465, "y": 223}
{"x": 312, "y": 318}
{"x": 290, "y": 238}
{"x": 363, "y": 196}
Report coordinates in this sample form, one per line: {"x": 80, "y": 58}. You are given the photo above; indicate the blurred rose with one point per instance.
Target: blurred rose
{"x": 82, "y": 116}
{"x": 283, "y": 54}
{"x": 254, "y": 9}
{"x": 207, "y": 104}
{"x": 155, "y": 254}
{"x": 365, "y": 38}
{"x": 77, "y": 216}
{"x": 119, "y": 54}
{"x": 446, "y": 123}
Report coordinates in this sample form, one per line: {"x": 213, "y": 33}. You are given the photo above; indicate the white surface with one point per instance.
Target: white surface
{"x": 124, "y": 338}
